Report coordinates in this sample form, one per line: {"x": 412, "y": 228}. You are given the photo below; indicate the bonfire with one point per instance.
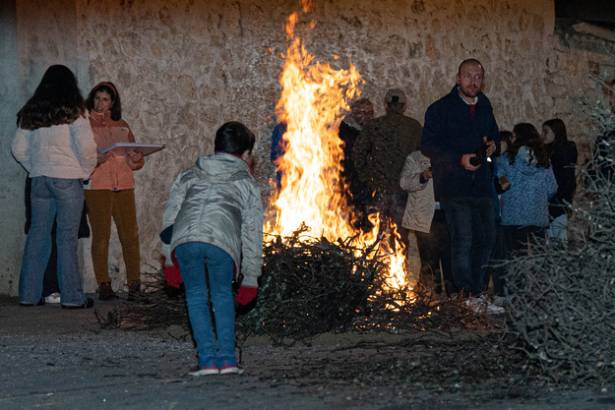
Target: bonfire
{"x": 315, "y": 96}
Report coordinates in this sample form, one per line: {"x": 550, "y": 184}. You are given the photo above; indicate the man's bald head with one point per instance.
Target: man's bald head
{"x": 470, "y": 62}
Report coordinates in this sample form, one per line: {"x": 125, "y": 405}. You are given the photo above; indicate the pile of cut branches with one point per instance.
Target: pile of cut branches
{"x": 562, "y": 298}
{"x": 309, "y": 286}
{"x": 158, "y": 307}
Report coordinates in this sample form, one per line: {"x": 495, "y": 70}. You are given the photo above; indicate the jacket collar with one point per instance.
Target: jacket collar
{"x": 455, "y": 94}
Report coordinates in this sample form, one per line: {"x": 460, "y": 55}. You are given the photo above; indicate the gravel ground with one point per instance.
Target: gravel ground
{"x": 54, "y": 358}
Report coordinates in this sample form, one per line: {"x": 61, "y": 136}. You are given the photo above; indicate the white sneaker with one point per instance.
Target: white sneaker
{"x": 475, "y": 304}
{"x": 481, "y": 305}
{"x": 499, "y": 301}
{"x": 203, "y": 371}
{"x": 54, "y": 298}
{"x": 494, "y": 309}
{"x": 231, "y": 370}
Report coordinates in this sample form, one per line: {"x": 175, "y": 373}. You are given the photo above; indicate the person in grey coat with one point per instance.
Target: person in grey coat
{"x": 217, "y": 217}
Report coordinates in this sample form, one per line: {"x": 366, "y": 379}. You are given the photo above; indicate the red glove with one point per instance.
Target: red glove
{"x": 172, "y": 274}
{"x": 246, "y": 295}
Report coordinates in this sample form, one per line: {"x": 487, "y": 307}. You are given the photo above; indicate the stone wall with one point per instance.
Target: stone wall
{"x": 184, "y": 67}
{"x": 574, "y": 70}
{"x": 11, "y": 175}
{"x": 34, "y": 35}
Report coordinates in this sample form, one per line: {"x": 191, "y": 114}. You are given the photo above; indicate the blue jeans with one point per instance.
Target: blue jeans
{"x": 62, "y": 200}
{"x": 471, "y": 224}
{"x": 194, "y": 257}
{"x": 558, "y": 229}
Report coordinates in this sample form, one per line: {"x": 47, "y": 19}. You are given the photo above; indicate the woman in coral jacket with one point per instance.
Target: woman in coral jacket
{"x": 110, "y": 190}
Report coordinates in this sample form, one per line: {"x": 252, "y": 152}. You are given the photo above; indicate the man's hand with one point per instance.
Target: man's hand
{"x": 465, "y": 162}
{"x": 490, "y": 146}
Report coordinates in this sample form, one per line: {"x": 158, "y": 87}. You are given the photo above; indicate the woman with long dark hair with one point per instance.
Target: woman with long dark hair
{"x": 563, "y": 155}
{"x": 55, "y": 144}
{"x": 525, "y": 205}
{"x": 110, "y": 192}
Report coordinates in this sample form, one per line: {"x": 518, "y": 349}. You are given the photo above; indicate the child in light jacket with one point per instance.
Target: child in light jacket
{"x": 426, "y": 222}
{"x": 217, "y": 217}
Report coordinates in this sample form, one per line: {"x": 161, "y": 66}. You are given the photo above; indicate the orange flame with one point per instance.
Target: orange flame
{"x": 306, "y": 5}
{"x": 314, "y": 98}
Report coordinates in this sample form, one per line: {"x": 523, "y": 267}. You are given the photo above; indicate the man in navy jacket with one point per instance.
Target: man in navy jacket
{"x": 460, "y": 132}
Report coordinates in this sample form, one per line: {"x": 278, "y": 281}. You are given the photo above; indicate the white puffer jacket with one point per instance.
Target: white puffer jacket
{"x": 421, "y": 204}
{"x": 60, "y": 151}
{"x": 218, "y": 202}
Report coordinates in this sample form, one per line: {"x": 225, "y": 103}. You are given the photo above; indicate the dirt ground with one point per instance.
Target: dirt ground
{"x": 54, "y": 358}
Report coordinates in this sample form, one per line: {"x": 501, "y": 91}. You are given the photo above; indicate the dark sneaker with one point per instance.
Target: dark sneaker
{"x": 39, "y": 303}
{"x": 134, "y": 291}
{"x": 105, "y": 291}
{"x": 89, "y": 303}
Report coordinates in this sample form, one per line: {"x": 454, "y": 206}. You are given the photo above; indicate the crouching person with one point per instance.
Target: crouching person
{"x": 427, "y": 225}
{"x": 216, "y": 212}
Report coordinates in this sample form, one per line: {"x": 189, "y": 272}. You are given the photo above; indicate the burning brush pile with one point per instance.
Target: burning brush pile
{"x": 320, "y": 271}
{"x": 312, "y": 285}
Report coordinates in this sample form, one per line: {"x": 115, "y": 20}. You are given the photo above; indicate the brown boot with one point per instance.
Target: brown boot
{"x": 105, "y": 291}
{"x": 134, "y": 290}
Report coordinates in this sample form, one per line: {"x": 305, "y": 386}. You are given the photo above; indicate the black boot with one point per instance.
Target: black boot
{"x": 134, "y": 290}
{"x": 105, "y": 291}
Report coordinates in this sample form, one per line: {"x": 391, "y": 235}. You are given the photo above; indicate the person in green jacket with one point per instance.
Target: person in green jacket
{"x": 379, "y": 154}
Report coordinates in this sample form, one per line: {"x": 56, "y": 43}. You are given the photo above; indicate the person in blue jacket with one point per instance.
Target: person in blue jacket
{"x": 459, "y": 135}
{"x": 525, "y": 206}
{"x": 277, "y": 150}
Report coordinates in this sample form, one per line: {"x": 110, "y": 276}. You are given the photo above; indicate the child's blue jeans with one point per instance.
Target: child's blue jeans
{"x": 194, "y": 258}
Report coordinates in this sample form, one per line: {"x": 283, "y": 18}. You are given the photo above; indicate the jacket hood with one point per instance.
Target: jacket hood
{"x": 527, "y": 163}
{"x": 221, "y": 167}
